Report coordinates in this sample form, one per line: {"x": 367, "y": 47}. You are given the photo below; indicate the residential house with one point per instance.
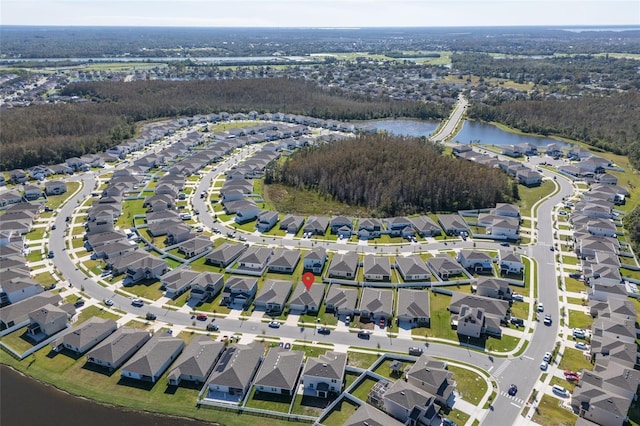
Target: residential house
{"x": 452, "y": 224}
{"x": 85, "y": 336}
{"x": 426, "y": 227}
{"x": 471, "y": 321}
{"x": 599, "y": 406}
{"x": 266, "y": 220}
{"x": 493, "y": 287}
{"x": 341, "y": 300}
{"x": 369, "y": 228}
{"x": 273, "y": 296}
{"x": 255, "y": 258}
{"x": 316, "y": 225}
{"x": 284, "y": 261}
{"x": 178, "y": 233}
{"x": 615, "y": 378}
{"x": 507, "y": 210}
{"x": 412, "y": 268}
{"x": 196, "y": 362}
{"x": 279, "y": 372}
{"x": 55, "y": 187}
{"x": 195, "y": 246}
{"x": 495, "y": 310}
{"x": 368, "y": 415}
{"x": 18, "y": 289}
{"x": 177, "y": 282}
{"x": 146, "y": 268}
{"x": 403, "y": 399}
{"x": 398, "y": 225}
{"x": 314, "y": 260}
{"x": 432, "y": 376}
{"x": 206, "y": 286}
{"x": 291, "y": 223}
{"x": 323, "y": 375}
{"x": 246, "y": 211}
{"x": 444, "y": 266}
{"x": 475, "y": 261}
{"x": 344, "y": 265}
{"x": 118, "y": 347}
{"x": 10, "y": 197}
{"x": 32, "y": 192}
{"x": 49, "y": 320}
{"x": 239, "y": 291}
{"x": 413, "y": 308}
{"x": 225, "y": 254}
{"x": 306, "y": 302}
{"x": 18, "y": 176}
{"x": 510, "y": 262}
{"x": 153, "y": 359}
{"x": 376, "y": 304}
{"x": 232, "y": 374}
{"x": 376, "y": 268}
{"x": 17, "y": 314}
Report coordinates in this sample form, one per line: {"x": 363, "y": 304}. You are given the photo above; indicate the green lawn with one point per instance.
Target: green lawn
{"x": 341, "y": 412}
{"x": 550, "y": 413}
{"x": 36, "y": 234}
{"x": 269, "y": 401}
{"x": 55, "y": 201}
{"x": 148, "y": 289}
{"x": 16, "y": 342}
{"x": 472, "y": 386}
{"x": 363, "y": 389}
{"x": 180, "y": 300}
{"x": 520, "y": 310}
{"x": 94, "y": 311}
{"x": 579, "y": 319}
{"x": 573, "y": 285}
{"x": 45, "y": 279}
{"x": 35, "y": 255}
{"x": 325, "y": 317}
{"x": 440, "y": 319}
{"x": 361, "y": 360}
{"x": 384, "y": 369}
{"x": 570, "y": 386}
{"x": 130, "y": 208}
{"x": 530, "y": 196}
{"x": 570, "y": 260}
{"x": 309, "y": 406}
{"x": 309, "y": 349}
{"x": 574, "y": 360}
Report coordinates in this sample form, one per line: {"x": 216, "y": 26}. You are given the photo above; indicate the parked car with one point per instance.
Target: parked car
{"x": 150, "y": 316}
{"x": 415, "y": 351}
{"x": 449, "y": 422}
{"x": 518, "y": 297}
{"x": 517, "y": 321}
{"x": 540, "y": 307}
{"x": 544, "y": 365}
{"x": 504, "y": 244}
{"x": 51, "y": 254}
{"x": 364, "y": 334}
{"x": 323, "y": 330}
{"x": 78, "y": 303}
{"x": 382, "y": 322}
{"x": 274, "y": 324}
{"x": 513, "y": 389}
{"x": 287, "y": 345}
{"x": 53, "y": 227}
{"x": 108, "y": 302}
{"x": 137, "y": 303}
{"x": 559, "y": 390}
{"x": 547, "y": 319}
{"x": 579, "y": 333}
{"x": 547, "y": 357}
{"x": 202, "y": 317}
{"x": 212, "y": 327}
{"x": 581, "y": 345}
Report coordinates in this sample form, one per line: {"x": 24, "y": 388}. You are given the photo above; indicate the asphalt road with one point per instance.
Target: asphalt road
{"x": 523, "y": 371}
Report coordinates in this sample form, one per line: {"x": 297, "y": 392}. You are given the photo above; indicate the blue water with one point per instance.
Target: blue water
{"x": 472, "y": 131}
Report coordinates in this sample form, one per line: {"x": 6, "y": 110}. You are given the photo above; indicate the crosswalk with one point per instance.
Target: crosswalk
{"x": 515, "y": 399}
{"x": 501, "y": 369}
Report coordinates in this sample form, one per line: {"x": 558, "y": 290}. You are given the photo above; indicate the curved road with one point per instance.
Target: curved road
{"x": 523, "y": 371}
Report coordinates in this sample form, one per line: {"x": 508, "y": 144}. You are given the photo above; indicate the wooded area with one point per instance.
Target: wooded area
{"x": 607, "y": 122}
{"x": 48, "y": 134}
{"x": 393, "y": 176}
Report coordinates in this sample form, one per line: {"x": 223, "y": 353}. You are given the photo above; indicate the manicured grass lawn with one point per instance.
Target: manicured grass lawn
{"x": 16, "y": 342}
{"x": 35, "y": 255}
{"x": 130, "y": 208}
{"x": 440, "y": 319}
{"x": 214, "y": 306}
{"x": 578, "y": 319}
{"x": 472, "y": 386}
{"x": 36, "y": 234}
{"x": 570, "y": 260}
{"x": 77, "y": 243}
{"x": 94, "y": 266}
{"x": 54, "y": 201}
{"x": 574, "y": 360}
{"x": 506, "y": 343}
{"x": 573, "y": 285}
{"x": 341, "y": 412}
{"x": 384, "y": 369}
{"x": 94, "y": 311}
{"x": 181, "y": 300}
{"x": 520, "y": 310}
{"x": 148, "y": 289}
{"x": 76, "y": 377}
{"x": 363, "y": 389}
{"x": 247, "y": 227}
{"x": 576, "y": 301}
{"x": 550, "y": 413}
{"x": 269, "y": 401}
{"x": 358, "y": 359}
{"x": 309, "y": 406}
{"x": 310, "y": 350}
{"x": 326, "y": 318}
{"x": 173, "y": 264}
{"x": 628, "y": 273}
{"x": 570, "y": 386}
{"x": 44, "y": 278}
{"x": 529, "y": 196}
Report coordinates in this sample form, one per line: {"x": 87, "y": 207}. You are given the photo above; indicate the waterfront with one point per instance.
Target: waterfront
{"x": 26, "y": 401}
{"x": 472, "y": 131}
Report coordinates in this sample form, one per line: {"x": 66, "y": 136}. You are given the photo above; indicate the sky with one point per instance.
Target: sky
{"x": 319, "y": 13}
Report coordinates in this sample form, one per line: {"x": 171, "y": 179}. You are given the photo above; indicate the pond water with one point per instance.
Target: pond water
{"x": 472, "y": 131}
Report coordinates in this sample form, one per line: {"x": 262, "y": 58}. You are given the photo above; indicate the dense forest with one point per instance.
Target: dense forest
{"x": 48, "y": 134}
{"x": 611, "y": 122}
{"x": 393, "y": 176}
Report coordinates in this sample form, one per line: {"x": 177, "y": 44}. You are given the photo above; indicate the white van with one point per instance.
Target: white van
{"x": 559, "y": 390}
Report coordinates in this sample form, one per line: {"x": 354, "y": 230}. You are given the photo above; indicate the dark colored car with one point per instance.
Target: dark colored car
{"x": 323, "y": 330}
{"x": 415, "y": 351}
{"x": 364, "y": 334}
{"x": 212, "y": 327}
{"x": 79, "y": 303}
{"x": 201, "y": 317}
{"x": 150, "y": 316}
{"x": 513, "y": 389}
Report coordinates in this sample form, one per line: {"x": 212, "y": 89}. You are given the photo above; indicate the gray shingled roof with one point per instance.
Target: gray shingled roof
{"x": 85, "y": 333}
{"x": 412, "y": 265}
{"x": 237, "y": 365}
{"x": 280, "y": 369}
{"x": 413, "y": 303}
{"x": 342, "y": 298}
{"x": 376, "y": 265}
{"x": 344, "y": 263}
{"x": 198, "y": 358}
{"x": 367, "y": 415}
{"x": 285, "y": 258}
{"x": 377, "y": 300}
{"x": 119, "y": 343}
{"x": 274, "y": 291}
{"x": 21, "y": 309}
{"x": 329, "y": 366}
{"x": 312, "y": 297}
{"x": 150, "y": 359}
{"x": 407, "y": 395}
{"x": 255, "y": 255}
{"x": 226, "y": 252}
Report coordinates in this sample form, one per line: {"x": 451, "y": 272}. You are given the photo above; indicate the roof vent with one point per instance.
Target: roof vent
{"x": 402, "y": 393}
{"x": 324, "y": 364}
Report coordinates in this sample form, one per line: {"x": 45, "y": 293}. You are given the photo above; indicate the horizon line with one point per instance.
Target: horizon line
{"x": 324, "y": 27}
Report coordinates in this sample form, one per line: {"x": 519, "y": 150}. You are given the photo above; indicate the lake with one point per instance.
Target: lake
{"x": 26, "y": 401}
{"x": 487, "y": 134}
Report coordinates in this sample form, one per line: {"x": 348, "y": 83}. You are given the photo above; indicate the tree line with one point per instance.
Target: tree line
{"x": 393, "y": 176}
{"x": 48, "y": 134}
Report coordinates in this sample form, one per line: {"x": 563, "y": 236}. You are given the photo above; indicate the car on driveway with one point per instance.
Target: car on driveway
{"x": 323, "y": 330}
{"x": 579, "y": 333}
{"x": 137, "y": 303}
{"x": 582, "y": 346}
{"x": 382, "y": 322}
{"x": 202, "y": 317}
{"x": 274, "y": 324}
{"x": 78, "y": 303}
{"x": 513, "y": 389}
{"x": 448, "y": 422}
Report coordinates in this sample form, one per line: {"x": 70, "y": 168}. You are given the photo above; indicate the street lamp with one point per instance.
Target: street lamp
{"x": 468, "y": 350}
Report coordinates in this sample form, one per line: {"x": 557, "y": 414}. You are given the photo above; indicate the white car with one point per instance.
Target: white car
{"x": 108, "y": 302}
{"x": 274, "y": 324}
{"x": 544, "y": 365}
{"x": 579, "y": 333}
{"x": 540, "y": 307}
{"x": 547, "y": 357}
{"x": 582, "y": 345}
